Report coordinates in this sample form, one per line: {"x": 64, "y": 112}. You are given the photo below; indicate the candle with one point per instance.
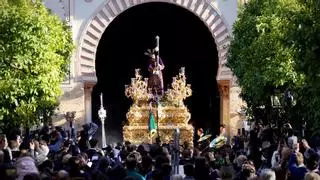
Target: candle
{"x": 137, "y": 72}
{"x": 101, "y": 100}
{"x": 182, "y": 70}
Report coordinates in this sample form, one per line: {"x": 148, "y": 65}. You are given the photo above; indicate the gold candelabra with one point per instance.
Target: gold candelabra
{"x": 179, "y": 90}
{"x": 138, "y": 89}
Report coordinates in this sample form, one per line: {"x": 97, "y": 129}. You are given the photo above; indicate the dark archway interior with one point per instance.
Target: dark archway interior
{"x": 185, "y": 41}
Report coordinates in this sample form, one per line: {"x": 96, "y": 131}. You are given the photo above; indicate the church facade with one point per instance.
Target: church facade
{"x": 88, "y": 20}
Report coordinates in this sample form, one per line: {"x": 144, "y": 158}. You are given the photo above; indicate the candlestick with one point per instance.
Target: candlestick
{"x": 174, "y": 79}
{"x": 101, "y": 100}
{"x": 137, "y": 72}
{"x": 182, "y": 70}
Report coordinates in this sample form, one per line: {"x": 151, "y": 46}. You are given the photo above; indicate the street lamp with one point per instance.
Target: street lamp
{"x": 102, "y": 113}
{"x": 276, "y": 104}
{"x": 176, "y": 151}
{"x": 304, "y": 126}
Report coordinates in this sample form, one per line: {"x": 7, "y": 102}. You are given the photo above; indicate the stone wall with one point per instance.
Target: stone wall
{"x": 72, "y": 99}
{"x": 236, "y": 105}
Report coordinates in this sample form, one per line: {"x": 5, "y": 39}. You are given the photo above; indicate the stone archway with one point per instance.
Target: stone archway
{"x": 94, "y": 29}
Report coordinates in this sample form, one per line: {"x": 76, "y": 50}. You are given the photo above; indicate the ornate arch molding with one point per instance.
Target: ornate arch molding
{"x": 107, "y": 11}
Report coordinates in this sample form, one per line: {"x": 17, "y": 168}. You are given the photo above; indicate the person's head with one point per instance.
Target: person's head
{"x": 146, "y": 162}
{"x": 267, "y": 174}
{"x": 62, "y": 175}
{"x": 313, "y": 162}
{"x": 127, "y": 143}
{"x": 248, "y": 169}
{"x": 237, "y": 162}
{"x": 74, "y": 163}
{"x": 104, "y": 163}
{"x": 152, "y": 54}
{"x": 86, "y": 127}
{"x": 3, "y": 141}
{"x": 15, "y": 141}
{"x": 222, "y": 129}
{"x": 200, "y": 132}
{"x": 132, "y": 161}
{"x": 161, "y": 159}
{"x": 188, "y": 169}
{"x": 153, "y": 57}
{"x": 54, "y": 135}
{"x": 141, "y": 150}
{"x": 83, "y": 158}
{"x": 186, "y": 145}
{"x": 132, "y": 148}
{"x": 18, "y": 139}
{"x": 42, "y": 143}
{"x": 65, "y": 158}
{"x": 300, "y": 159}
{"x": 312, "y": 176}
{"x": 285, "y": 154}
{"x": 24, "y": 148}
{"x": 186, "y": 153}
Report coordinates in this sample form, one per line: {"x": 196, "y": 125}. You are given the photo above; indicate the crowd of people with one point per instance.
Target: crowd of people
{"x": 262, "y": 153}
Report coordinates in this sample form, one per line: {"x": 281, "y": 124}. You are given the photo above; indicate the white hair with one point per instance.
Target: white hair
{"x": 267, "y": 174}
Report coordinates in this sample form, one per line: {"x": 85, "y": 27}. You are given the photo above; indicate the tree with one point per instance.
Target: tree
{"x": 35, "y": 50}
{"x": 276, "y": 46}
{"x": 307, "y": 40}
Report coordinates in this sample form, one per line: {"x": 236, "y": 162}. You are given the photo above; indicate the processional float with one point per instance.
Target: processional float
{"x": 148, "y": 95}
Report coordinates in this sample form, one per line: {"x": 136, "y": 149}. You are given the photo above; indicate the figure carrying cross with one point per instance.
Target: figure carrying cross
{"x": 155, "y": 82}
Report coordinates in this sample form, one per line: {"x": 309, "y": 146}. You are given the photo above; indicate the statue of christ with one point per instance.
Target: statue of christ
{"x": 155, "y": 82}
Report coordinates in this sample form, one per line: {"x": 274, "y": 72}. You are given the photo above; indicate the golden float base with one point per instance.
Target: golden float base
{"x": 139, "y": 134}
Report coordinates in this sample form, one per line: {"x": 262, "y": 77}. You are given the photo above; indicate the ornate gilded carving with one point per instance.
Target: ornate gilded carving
{"x": 138, "y": 90}
{"x": 179, "y": 90}
{"x": 171, "y": 111}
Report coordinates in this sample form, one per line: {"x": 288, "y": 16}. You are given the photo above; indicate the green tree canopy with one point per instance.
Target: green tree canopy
{"x": 35, "y": 50}
{"x": 276, "y": 46}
